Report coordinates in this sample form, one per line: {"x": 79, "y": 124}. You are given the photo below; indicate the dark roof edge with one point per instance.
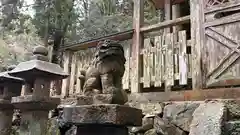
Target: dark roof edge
{"x": 120, "y": 36}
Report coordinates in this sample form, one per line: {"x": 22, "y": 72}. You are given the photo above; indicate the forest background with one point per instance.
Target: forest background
{"x": 27, "y": 23}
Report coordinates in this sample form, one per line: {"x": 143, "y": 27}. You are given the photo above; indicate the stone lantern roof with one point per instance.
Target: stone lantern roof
{"x": 5, "y": 77}
{"x": 38, "y": 66}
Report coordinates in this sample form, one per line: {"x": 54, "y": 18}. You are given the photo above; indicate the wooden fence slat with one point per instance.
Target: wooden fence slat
{"x": 163, "y": 56}
{"x": 127, "y": 66}
{"x": 151, "y": 63}
{"x": 146, "y": 62}
{"x": 176, "y": 54}
{"x": 169, "y": 61}
{"x": 79, "y": 67}
{"x": 190, "y": 64}
{"x": 158, "y": 61}
{"x": 65, "y": 83}
{"x": 73, "y": 74}
{"x": 183, "y": 62}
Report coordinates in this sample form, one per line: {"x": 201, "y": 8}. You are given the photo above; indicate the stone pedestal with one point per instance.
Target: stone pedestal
{"x": 104, "y": 119}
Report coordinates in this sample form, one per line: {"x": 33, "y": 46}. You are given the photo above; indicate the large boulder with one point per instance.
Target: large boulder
{"x": 208, "y": 119}
{"x": 180, "y": 114}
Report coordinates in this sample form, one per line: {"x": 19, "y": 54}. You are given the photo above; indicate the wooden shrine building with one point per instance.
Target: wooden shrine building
{"x": 196, "y": 57}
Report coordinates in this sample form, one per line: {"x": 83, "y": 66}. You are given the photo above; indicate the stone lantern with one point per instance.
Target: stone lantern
{"x": 36, "y": 104}
{"x": 9, "y": 87}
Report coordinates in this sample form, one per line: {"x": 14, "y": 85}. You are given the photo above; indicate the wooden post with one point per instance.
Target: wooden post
{"x": 175, "y": 15}
{"x": 65, "y": 83}
{"x": 168, "y": 14}
{"x": 197, "y": 16}
{"x": 138, "y": 19}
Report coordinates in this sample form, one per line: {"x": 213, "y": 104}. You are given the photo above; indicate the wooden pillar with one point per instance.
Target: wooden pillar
{"x": 197, "y": 18}
{"x": 65, "y": 83}
{"x": 168, "y": 14}
{"x": 176, "y": 14}
{"x": 138, "y": 19}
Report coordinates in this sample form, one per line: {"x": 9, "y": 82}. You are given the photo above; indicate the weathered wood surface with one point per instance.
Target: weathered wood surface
{"x": 146, "y": 63}
{"x": 165, "y": 24}
{"x": 65, "y": 83}
{"x": 190, "y": 95}
{"x": 73, "y": 74}
{"x": 183, "y": 62}
{"x": 158, "y": 61}
{"x": 168, "y": 15}
{"x": 197, "y": 38}
{"x": 166, "y": 62}
{"x": 138, "y": 19}
{"x": 79, "y": 67}
{"x": 169, "y": 61}
{"x": 126, "y": 78}
{"x": 222, "y": 35}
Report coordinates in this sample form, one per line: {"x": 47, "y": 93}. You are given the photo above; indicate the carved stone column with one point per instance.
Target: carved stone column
{"x": 38, "y": 74}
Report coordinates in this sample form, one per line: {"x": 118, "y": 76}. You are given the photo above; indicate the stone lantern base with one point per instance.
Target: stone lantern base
{"x": 34, "y": 113}
{"x": 6, "y": 114}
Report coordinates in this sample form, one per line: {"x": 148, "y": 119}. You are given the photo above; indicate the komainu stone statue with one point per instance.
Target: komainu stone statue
{"x": 103, "y": 79}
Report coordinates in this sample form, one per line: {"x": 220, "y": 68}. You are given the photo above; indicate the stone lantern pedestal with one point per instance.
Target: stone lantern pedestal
{"x": 103, "y": 119}
{"x": 9, "y": 87}
{"x": 35, "y": 106}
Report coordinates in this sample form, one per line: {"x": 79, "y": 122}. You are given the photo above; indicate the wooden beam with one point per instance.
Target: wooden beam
{"x": 190, "y": 95}
{"x": 121, "y": 36}
{"x": 165, "y": 24}
{"x": 138, "y": 19}
{"x": 197, "y": 37}
{"x": 160, "y": 3}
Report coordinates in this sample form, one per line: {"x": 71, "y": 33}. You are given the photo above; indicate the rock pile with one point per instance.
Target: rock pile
{"x": 210, "y": 117}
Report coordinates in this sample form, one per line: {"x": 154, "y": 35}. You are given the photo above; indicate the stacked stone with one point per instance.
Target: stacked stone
{"x": 35, "y": 105}
{"x": 9, "y": 87}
